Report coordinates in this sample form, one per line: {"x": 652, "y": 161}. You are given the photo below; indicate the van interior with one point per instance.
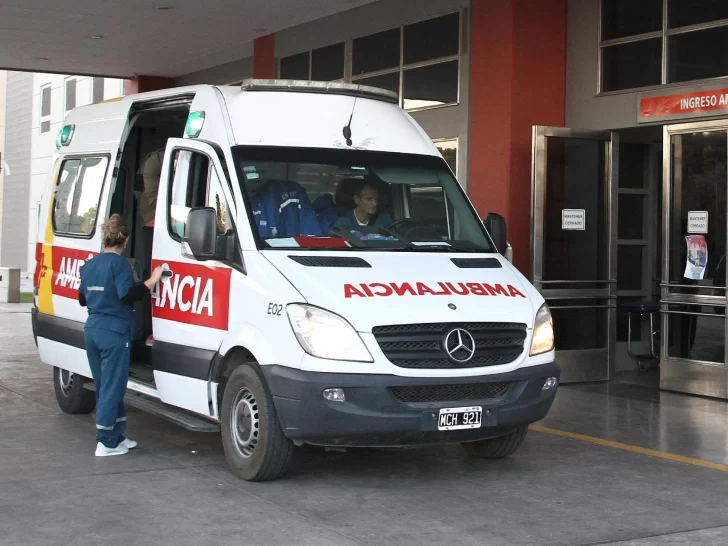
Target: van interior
{"x": 151, "y": 127}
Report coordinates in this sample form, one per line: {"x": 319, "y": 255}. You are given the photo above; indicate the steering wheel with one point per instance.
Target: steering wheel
{"x": 412, "y": 230}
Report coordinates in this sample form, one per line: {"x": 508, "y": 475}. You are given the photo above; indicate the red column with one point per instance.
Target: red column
{"x": 142, "y": 84}
{"x": 517, "y": 80}
{"x": 264, "y": 57}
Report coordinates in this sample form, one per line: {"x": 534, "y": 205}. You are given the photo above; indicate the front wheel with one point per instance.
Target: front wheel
{"x": 71, "y": 395}
{"x": 497, "y": 448}
{"x": 255, "y": 446}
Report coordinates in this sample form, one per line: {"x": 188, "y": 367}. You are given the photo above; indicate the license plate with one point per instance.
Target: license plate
{"x": 459, "y": 418}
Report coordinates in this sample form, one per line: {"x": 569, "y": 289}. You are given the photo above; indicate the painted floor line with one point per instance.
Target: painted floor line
{"x": 630, "y": 448}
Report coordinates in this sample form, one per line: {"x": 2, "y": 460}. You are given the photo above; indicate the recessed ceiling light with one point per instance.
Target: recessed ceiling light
{"x": 96, "y": 37}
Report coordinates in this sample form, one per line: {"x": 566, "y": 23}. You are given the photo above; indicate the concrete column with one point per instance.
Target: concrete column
{"x": 142, "y": 84}
{"x": 518, "y": 79}
{"x": 264, "y": 57}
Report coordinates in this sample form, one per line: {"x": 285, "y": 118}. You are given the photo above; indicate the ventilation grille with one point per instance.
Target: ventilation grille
{"x": 476, "y": 392}
{"x": 330, "y": 261}
{"x": 477, "y": 263}
{"x": 423, "y": 345}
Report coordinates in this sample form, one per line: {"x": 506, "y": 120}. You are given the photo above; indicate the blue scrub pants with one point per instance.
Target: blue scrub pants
{"x": 108, "y": 355}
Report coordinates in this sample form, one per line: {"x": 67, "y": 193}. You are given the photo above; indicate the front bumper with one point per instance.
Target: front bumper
{"x": 372, "y": 416}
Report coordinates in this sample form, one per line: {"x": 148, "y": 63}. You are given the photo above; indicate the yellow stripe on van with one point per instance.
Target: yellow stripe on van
{"x": 45, "y": 284}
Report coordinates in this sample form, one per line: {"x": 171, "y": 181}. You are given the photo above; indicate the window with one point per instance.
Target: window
{"x": 684, "y": 13}
{"x": 322, "y": 64}
{"x": 70, "y": 95}
{"x": 632, "y": 65}
{"x": 45, "y": 109}
{"x": 77, "y": 194}
{"x": 98, "y": 90}
{"x": 698, "y": 55}
{"x": 633, "y": 34}
{"x": 296, "y": 67}
{"x": 195, "y": 183}
{"x": 449, "y": 151}
{"x": 424, "y": 57}
{"x": 622, "y": 18}
{"x": 376, "y": 52}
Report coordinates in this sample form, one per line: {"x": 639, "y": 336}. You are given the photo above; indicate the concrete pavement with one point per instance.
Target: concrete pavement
{"x": 176, "y": 489}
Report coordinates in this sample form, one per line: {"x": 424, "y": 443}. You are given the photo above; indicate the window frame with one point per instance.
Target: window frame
{"x": 402, "y": 67}
{"x": 41, "y": 118}
{"x": 664, "y": 34}
{"x": 72, "y": 157}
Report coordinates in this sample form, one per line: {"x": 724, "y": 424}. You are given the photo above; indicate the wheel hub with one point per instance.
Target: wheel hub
{"x": 65, "y": 381}
{"x": 244, "y": 422}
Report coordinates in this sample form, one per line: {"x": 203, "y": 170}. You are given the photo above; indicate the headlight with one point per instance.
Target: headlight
{"x": 543, "y": 332}
{"x": 325, "y": 335}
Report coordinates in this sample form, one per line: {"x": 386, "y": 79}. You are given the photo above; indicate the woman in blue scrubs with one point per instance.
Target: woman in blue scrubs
{"x": 108, "y": 291}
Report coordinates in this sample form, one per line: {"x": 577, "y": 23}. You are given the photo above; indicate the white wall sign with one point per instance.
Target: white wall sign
{"x": 697, "y": 221}
{"x": 573, "y": 219}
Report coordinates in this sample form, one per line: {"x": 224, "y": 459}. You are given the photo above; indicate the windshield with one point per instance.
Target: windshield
{"x": 322, "y": 198}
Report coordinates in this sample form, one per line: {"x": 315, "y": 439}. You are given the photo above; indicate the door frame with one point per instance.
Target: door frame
{"x": 578, "y": 365}
{"x": 680, "y": 374}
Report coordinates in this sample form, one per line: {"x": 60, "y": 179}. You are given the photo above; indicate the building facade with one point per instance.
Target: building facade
{"x": 598, "y": 128}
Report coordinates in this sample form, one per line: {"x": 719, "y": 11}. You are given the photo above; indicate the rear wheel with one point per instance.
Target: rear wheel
{"x": 497, "y": 448}
{"x": 71, "y": 395}
{"x": 255, "y": 446}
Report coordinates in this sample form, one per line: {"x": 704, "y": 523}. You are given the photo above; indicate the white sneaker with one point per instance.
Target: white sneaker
{"x": 103, "y": 451}
{"x": 128, "y": 444}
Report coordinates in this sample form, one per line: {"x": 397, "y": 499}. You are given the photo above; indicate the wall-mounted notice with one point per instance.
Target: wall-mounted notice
{"x": 574, "y": 219}
{"x": 697, "y": 221}
{"x": 697, "y": 258}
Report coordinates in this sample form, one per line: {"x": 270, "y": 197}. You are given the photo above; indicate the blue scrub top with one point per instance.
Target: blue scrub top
{"x": 105, "y": 279}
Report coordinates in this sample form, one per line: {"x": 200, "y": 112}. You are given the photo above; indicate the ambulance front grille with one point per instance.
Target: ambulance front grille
{"x": 423, "y": 345}
{"x": 475, "y": 392}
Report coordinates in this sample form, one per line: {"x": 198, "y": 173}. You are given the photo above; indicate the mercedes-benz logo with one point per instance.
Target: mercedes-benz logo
{"x": 460, "y": 345}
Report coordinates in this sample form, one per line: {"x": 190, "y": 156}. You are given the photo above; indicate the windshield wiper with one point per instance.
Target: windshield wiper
{"x": 448, "y": 247}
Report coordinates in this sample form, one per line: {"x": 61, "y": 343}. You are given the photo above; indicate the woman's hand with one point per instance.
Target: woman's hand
{"x": 155, "y": 277}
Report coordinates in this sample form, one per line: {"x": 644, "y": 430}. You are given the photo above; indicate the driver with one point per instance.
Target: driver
{"x": 366, "y": 198}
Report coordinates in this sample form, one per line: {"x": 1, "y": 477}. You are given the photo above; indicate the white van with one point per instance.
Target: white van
{"x": 280, "y": 324}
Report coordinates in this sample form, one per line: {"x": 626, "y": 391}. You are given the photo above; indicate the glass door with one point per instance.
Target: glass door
{"x": 573, "y": 245}
{"x": 693, "y": 289}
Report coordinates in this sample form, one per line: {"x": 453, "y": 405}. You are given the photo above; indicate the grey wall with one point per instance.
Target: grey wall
{"x": 439, "y": 123}
{"x": 585, "y": 109}
{"x": 220, "y": 75}
{"x": 16, "y": 186}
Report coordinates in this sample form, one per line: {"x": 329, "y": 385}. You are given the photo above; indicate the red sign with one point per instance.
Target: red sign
{"x": 421, "y": 289}
{"x": 670, "y": 106}
{"x": 194, "y": 294}
{"x": 67, "y": 263}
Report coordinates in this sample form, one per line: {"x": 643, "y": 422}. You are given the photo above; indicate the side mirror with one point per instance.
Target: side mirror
{"x": 496, "y": 226}
{"x": 200, "y": 240}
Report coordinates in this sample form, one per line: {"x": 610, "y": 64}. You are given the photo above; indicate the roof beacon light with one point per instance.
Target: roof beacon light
{"x": 195, "y": 121}
{"x": 64, "y": 136}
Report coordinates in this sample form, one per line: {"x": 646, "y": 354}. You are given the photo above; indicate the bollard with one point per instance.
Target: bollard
{"x": 9, "y": 285}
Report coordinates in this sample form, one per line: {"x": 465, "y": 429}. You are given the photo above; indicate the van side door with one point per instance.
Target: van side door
{"x": 191, "y": 308}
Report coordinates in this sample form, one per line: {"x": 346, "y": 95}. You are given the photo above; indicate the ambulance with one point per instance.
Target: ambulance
{"x": 278, "y": 322}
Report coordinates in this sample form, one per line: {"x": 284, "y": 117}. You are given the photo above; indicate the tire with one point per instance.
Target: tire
{"x": 497, "y": 448}
{"x": 255, "y": 447}
{"x": 72, "y": 397}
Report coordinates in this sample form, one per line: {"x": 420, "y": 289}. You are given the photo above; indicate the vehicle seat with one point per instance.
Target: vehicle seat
{"x": 327, "y": 212}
